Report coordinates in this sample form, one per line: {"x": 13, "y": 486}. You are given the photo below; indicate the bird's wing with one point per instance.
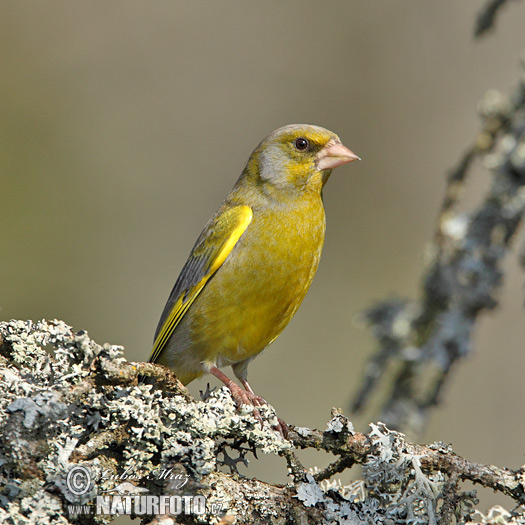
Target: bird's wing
{"x": 211, "y": 249}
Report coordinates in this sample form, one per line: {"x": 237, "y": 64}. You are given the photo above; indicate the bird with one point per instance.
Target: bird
{"x": 253, "y": 263}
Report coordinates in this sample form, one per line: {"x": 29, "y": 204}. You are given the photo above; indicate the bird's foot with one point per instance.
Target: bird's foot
{"x": 256, "y": 400}
{"x": 248, "y": 397}
{"x": 281, "y": 427}
{"x": 242, "y": 397}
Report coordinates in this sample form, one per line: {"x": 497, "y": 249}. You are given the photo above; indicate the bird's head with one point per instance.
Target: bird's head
{"x": 298, "y": 156}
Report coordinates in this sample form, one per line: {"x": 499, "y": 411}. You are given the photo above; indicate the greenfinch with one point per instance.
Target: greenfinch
{"x": 253, "y": 263}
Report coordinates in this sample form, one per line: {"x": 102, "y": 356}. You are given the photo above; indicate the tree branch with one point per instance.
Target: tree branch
{"x": 427, "y": 338}
{"x": 71, "y": 403}
{"x": 487, "y": 16}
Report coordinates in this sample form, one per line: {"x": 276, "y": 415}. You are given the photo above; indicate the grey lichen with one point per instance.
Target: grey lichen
{"x": 339, "y": 423}
{"x": 395, "y": 477}
{"x": 343, "y": 512}
{"x": 71, "y": 407}
{"x": 69, "y": 402}
{"x": 61, "y": 408}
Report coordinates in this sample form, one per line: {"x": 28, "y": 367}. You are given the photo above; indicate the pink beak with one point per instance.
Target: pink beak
{"x": 334, "y": 154}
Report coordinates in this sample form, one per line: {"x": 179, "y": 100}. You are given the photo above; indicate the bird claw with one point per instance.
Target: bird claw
{"x": 257, "y": 400}
{"x": 243, "y": 397}
{"x": 281, "y": 427}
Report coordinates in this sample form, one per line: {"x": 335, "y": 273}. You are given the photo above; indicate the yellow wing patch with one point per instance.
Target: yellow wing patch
{"x": 215, "y": 244}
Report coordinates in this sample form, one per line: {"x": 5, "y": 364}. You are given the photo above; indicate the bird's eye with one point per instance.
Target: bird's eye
{"x": 301, "y": 144}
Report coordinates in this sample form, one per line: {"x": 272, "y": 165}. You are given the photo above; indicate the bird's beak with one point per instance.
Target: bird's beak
{"x": 334, "y": 154}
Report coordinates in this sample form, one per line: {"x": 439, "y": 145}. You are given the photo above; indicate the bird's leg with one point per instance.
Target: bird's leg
{"x": 281, "y": 426}
{"x": 243, "y": 397}
{"x": 248, "y": 397}
{"x": 258, "y": 400}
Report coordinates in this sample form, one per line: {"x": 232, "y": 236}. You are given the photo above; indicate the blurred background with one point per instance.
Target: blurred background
{"x": 124, "y": 124}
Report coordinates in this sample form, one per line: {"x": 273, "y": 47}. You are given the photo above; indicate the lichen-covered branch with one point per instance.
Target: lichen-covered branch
{"x": 428, "y": 337}
{"x": 71, "y": 407}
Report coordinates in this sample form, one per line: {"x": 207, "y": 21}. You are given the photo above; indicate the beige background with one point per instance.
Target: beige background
{"x": 124, "y": 124}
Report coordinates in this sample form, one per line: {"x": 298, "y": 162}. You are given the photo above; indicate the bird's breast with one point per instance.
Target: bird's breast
{"x": 259, "y": 287}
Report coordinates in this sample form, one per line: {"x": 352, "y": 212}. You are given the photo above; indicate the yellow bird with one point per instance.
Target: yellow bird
{"x": 254, "y": 261}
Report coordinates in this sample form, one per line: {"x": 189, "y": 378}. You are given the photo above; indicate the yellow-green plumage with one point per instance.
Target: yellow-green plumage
{"x": 255, "y": 259}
